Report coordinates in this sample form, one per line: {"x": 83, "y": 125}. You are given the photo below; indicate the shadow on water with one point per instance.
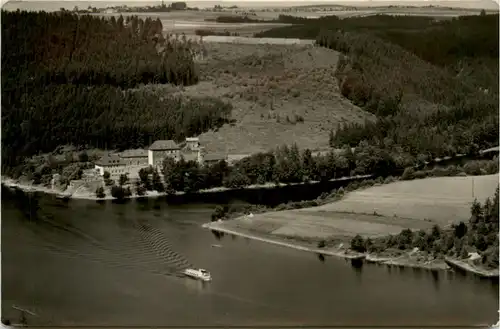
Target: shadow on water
{"x": 435, "y": 278}
{"x": 218, "y": 235}
{"x": 417, "y": 272}
{"x": 28, "y": 203}
{"x": 119, "y": 201}
{"x": 357, "y": 266}
{"x": 263, "y": 196}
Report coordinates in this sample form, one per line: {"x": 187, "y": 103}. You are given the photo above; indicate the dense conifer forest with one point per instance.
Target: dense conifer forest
{"x": 67, "y": 79}
{"x": 432, "y": 84}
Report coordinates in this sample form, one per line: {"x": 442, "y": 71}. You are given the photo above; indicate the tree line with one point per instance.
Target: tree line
{"x": 433, "y": 85}
{"x": 105, "y": 117}
{"x": 479, "y": 234}
{"x": 206, "y": 32}
{"x": 287, "y": 165}
{"x": 67, "y": 79}
{"x": 45, "y": 48}
{"x": 309, "y": 28}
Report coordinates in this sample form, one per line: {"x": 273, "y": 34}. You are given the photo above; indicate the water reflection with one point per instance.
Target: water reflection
{"x": 28, "y": 203}
{"x": 357, "y": 266}
{"x": 196, "y": 285}
{"x": 218, "y": 235}
{"x": 417, "y": 272}
{"x": 321, "y": 258}
{"x": 435, "y": 279}
{"x": 119, "y": 201}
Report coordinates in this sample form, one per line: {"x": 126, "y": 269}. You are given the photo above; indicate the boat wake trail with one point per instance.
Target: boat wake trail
{"x": 172, "y": 261}
{"x": 141, "y": 246}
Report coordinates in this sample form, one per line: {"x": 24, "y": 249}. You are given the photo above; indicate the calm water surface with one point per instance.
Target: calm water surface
{"x": 106, "y": 264}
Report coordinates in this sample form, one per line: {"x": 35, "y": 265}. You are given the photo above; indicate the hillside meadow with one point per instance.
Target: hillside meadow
{"x": 281, "y": 94}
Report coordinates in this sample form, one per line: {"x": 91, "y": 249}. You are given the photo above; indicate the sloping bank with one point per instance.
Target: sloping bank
{"x": 340, "y": 251}
{"x": 465, "y": 267}
{"x": 406, "y": 260}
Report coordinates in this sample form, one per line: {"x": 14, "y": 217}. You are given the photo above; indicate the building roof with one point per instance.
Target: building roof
{"x": 110, "y": 159}
{"x": 134, "y": 153}
{"x": 214, "y": 157}
{"x": 192, "y": 139}
{"x": 164, "y": 145}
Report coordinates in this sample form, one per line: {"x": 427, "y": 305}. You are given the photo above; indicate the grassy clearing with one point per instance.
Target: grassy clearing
{"x": 442, "y": 200}
{"x": 280, "y": 95}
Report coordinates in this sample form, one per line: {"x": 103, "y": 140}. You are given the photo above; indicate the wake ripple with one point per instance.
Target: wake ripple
{"x": 144, "y": 247}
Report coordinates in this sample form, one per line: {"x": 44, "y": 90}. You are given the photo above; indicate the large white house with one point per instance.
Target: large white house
{"x": 161, "y": 149}
{"x": 137, "y": 157}
{"x": 111, "y": 163}
{"x": 131, "y": 161}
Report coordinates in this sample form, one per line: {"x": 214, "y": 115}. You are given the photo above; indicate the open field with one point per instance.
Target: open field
{"x": 189, "y": 21}
{"x": 442, "y": 200}
{"x": 272, "y": 88}
{"x": 376, "y": 211}
{"x": 366, "y": 11}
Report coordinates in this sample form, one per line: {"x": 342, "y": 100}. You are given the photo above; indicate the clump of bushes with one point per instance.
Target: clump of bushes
{"x": 219, "y": 212}
{"x": 475, "y": 167}
{"x": 358, "y": 244}
{"x": 99, "y": 192}
{"x": 236, "y": 210}
{"x": 120, "y": 193}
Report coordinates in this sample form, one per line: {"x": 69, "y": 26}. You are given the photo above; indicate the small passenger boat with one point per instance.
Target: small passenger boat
{"x": 199, "y": 274}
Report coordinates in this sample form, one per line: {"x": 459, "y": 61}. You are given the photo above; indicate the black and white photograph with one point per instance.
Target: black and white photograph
{"x": 256, "y": 164}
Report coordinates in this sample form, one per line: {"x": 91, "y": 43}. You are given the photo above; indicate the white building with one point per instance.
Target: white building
{"x": 159, "y": 150}
{"x": 138, "y": 157}
{"x": 111, "y": 163}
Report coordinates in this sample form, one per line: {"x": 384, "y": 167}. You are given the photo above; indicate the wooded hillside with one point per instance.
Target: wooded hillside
{"x": 432, "y": 84}
{"x": 66, "y": 79}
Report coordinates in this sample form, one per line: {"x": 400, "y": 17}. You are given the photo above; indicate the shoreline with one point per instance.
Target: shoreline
{"x": 289, "y": 242}
{"x": 41, "y": 189}
{"x": 343, "y": 253}
{"x": 27, "y": 187}
{"x": 445, "y": 264}
{"x": 463, "y": 266}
